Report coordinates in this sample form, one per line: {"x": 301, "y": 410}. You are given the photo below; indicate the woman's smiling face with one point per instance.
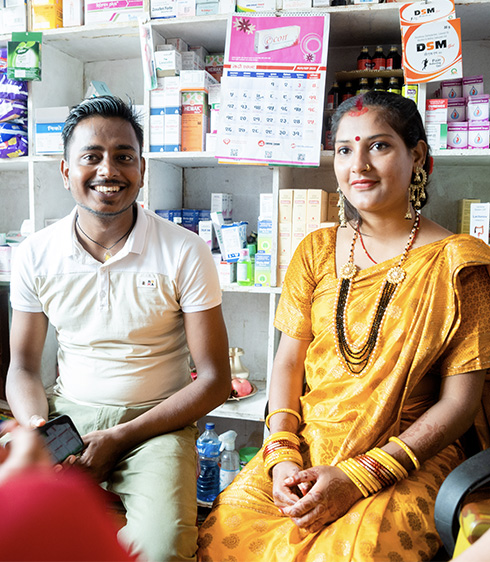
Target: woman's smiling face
{"x": 372, "y": 163}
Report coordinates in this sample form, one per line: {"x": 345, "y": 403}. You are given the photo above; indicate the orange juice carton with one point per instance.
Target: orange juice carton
{"x": 195, "y": 113}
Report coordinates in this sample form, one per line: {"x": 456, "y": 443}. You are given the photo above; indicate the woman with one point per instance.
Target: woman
{"x": 387, "y": 323}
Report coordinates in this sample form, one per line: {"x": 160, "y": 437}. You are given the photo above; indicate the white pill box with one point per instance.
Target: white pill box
{"x": 477, "y": 108}
{"x": 478, "y": 134}
{"x": 472, "y": 86}
{"x": 456, "y": 110}
{"x": 457, "y": 135}
{"x": 452, "y": 88}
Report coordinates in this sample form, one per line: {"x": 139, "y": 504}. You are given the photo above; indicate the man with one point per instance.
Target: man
{"x": 129, "y": 295}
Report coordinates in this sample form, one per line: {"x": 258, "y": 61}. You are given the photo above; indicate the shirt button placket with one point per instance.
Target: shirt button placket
{"x": 103, "y": 286}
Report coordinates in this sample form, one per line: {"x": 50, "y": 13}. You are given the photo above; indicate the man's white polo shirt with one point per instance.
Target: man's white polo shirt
{"x": 119, "y": 324}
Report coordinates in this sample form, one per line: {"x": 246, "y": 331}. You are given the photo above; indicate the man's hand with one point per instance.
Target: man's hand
{"x": 331, "y": 495}
{"x": 101, "y": 454}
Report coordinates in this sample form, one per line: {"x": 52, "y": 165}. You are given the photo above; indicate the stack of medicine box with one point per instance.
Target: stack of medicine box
{"x": 301, "y": 211}
{"x": 165, "y": 115}
{"x": 480, "y": 221}
{"x": 221, "y": 213}
{"x": 263, "y": 257}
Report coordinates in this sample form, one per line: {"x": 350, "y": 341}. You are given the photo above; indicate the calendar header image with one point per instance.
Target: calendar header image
{"x": 288, "y": 39}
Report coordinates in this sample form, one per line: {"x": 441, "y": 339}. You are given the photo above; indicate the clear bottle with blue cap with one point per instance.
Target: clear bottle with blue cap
{"x": 209, "y": 448}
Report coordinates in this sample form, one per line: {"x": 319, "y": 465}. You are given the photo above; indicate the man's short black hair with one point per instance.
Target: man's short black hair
{"x": 102, "y": 106}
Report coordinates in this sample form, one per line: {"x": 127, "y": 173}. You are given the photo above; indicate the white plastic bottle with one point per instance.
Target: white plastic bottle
{"x": 229, "y": 460}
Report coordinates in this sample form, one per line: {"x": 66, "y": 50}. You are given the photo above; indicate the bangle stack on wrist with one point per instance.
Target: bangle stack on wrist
{"x": 279, "y": 447}
{"x": 376, "y": 469}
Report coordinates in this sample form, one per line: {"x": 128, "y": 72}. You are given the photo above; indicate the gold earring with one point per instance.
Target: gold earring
{"x": 416, "y": 190}
{"x": 341, "y": 206}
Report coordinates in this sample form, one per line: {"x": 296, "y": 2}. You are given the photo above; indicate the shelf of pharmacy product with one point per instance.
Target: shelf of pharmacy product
{"x": 450, "y": 157}
{"x": 235, "y": 288}
{"x": 344, "y": 75}
{"x": 14, "y": 164}
{"x": 459, "y": 157}
{"x": 246, "y": 409}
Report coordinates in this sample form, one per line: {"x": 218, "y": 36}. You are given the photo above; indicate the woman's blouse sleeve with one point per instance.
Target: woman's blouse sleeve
{"x": 469, "y": 349}
{"x": 293, "y": 315}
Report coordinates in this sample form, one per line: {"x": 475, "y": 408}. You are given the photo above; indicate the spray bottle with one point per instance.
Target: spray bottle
{"x": 229, "y": 460}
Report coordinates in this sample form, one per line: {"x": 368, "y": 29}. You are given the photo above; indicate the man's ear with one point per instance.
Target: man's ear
{"x": 65, "y": 173}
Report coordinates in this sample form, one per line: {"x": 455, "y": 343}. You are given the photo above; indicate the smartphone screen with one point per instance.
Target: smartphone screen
{"x": 62, "y": 438}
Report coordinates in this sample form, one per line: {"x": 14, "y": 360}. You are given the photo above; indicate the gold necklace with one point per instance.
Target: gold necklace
{"x": 108, "y": 254}
{"x": 357, "y": 359}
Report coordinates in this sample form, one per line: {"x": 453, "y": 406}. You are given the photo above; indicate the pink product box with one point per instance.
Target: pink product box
{"x": 472, "y": 86}
{"x": 479, "y": 134}
{"x": 456, "y": 110}
{"x": 457, "y": 135}
{"x": 452, "y": 88}
{"x": 477, "y": 107}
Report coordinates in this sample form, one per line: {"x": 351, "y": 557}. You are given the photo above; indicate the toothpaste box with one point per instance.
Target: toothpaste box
{"x": 457, "y": 135}
{"x": 477, "y": 108}
{"x": 49, "y": 125}
{"x": 478, "y": 134}
{"x": 108, "y": 11}
{"x": 456, "y": 109}
{"x": 480, "y": 221}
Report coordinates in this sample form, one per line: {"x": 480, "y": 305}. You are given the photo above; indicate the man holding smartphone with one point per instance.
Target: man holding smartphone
{"x": 130, "y": 297}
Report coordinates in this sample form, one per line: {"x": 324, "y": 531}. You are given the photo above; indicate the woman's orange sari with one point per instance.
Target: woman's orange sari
{"x": 437, "y": 322}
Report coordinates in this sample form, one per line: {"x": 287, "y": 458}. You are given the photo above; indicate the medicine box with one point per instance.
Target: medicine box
{"x": 214, "y": 65}
{"x": 172, "y": 215}
{"x": 206, "y": 232}
{"x": 472, "y": 86}
{"x": 168, "y": 63}
{"x": 191, "y": 60}
{"x": 195, "y": 114}
{"x": 464, "y": 215}
{"x": 227, "y": 6}
{"x": 179, "y": 44}
{"x": 97, "y": 88}
{"x": 456, "y": 110}
{"x": 333, "y": 207}
{"x": 316, "y": 208}
{"x": 477, "y": 108}
{"x": 264, "y": 236}
{"x": 46, "y": 14}
{"x": 108, "y": 11}
{"x": 157, "y": 129}
{"x": 163, "y": 9}
{"x": 457, "y": 135}
{"x": 452, "y": 88}
{"x": 255, "y": 5}
{"x": 172, "y": 129}
{"x": 480, "y": 220}
{"x": 266, "y": 204}
{"x": 284, "y": 242}
{"x": 49, "y": 126}
{"x": 299, "y": 210}
{"x": 13, "y": 16}
{"x": 222, "y": 203}
{"x": 185, "y": 9}
{"x": 73, "y": 13}
{"x": 196, "y": 80}
{"x": 478, "y": 134}
{"x": 286, "y": 205}
{"x": 296, "y": 4}
{"x": 263, "y": 265}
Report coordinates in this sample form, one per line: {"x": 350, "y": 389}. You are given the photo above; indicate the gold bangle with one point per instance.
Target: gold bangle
{"x": 284, "y": 411}
{"x": 282, "y": 455}
{"x": 353, "y": 478}
{"x": 406, "y": 448}
{"x": 370, "y": 481}
{"x": 282, "y": 435}
{"x": 389, "y": 462}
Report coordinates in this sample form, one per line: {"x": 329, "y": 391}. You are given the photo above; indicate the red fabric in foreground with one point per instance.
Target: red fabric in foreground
{"x": 47, "y": 516}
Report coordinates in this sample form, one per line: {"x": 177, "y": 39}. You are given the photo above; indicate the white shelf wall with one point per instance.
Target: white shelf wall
{"x": 33, "y": 186}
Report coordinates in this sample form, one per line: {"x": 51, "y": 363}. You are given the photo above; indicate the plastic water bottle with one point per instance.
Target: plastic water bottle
{"x": 229, "y": 460}
{"x": 208, "y": 447}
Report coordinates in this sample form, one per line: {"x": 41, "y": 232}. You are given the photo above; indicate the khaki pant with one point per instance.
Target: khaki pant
{"x": 156, "y": 482}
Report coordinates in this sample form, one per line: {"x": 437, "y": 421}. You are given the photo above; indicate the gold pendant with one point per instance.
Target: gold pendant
{"x": 395, "y": 275}
{"x": 107, "y": 256}
{"x": 348, "y": 270}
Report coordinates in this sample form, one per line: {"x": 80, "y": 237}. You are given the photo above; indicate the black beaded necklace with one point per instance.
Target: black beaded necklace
{"x": 356, "y": 360}
{"x": 108, "y": 254}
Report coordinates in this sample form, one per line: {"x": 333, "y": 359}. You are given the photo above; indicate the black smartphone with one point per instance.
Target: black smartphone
{"x": 62, "y": 437}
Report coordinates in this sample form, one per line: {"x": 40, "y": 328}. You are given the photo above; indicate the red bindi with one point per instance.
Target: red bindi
{"x": 358, "y": 139}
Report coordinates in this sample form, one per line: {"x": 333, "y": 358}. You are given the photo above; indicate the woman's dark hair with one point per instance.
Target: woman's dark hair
{"x": 102, "y": 106}
{"x": 400, "y": 113}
